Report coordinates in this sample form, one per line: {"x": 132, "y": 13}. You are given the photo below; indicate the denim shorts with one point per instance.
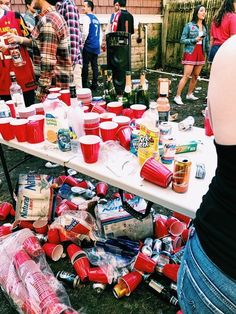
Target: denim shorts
{"x": 202, "y": 287}
{"x": 213, "y": 52}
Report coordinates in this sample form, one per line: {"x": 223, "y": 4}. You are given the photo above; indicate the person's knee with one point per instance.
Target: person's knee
{"x": 195, "y": 77}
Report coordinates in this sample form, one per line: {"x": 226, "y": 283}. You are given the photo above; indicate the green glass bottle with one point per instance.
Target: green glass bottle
{"x": 142, "y": 96}
{"x": 109, "y": 92}
{"x": 128, "y": 95}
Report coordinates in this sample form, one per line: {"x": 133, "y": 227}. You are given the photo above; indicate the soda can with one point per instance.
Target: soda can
{"x": 200, "y": 171}
{"x": 99, "y": 287}
{"x": 181, "y": 174}
{"x": 157, "y": 246}
{"x": 165, "y": 130}
{"x": 148, "y": 242}
{"x": 134, "y": 141}
{"x": 186, "y": 124}
{"x": 69, "y": 279}
{"x": 169, "y": 147}
{"x": 167, "y": 242}
{"x": 147, "y": 250}
{"x": 64, "y": 142}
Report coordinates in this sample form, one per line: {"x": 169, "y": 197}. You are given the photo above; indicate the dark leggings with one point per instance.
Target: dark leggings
{"x": 89, "y": 57}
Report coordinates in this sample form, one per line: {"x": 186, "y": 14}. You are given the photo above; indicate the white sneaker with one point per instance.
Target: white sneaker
{"x": 51, "y": 165}
{"x": 178, "y": 100}
{"x": 191, "y": 97}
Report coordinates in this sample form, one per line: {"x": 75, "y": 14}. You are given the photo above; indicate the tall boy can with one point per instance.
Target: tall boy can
{"x": 169, "y": 147}
{"x": 165, "y": 130}
{"x": 181, "y": 174}
{"x": 186, "y": 124}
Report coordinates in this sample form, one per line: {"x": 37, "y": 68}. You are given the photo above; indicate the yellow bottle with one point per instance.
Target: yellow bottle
{"x": 148, "y": 142}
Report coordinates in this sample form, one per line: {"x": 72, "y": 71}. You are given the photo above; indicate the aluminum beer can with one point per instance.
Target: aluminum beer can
{"x": 134, "y": 142}
{"x": 186, "y": 124}
{"x": 71, "y": 280}
{"x": 165, "y": 130}
{"x": 148, "y": 242}
{"x": 181, "y": 174}
{"x": 169, "y": 148}
{"x": 64, "y": 142}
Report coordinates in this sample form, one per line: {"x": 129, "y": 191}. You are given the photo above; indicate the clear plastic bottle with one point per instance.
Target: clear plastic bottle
{"x": 75, "y": 115}
{"x": 163, "y": 107}
{"x": 16, "y": 92}
{"x": 151, "y": 117}
{"x": 142, "y": 96}
{"x": 4, "y": 110}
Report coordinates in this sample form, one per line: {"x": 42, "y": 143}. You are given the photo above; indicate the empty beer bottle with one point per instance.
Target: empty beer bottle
{"x": 142, "y": 96}
{"x": 110, "y": 92}
{"x": 128, "y": 96}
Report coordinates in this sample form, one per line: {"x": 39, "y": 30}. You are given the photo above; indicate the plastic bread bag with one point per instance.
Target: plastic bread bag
{"x": 27, "y": 279}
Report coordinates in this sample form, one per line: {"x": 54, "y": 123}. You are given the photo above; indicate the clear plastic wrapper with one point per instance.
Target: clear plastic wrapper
{"x": 27, "y": 279}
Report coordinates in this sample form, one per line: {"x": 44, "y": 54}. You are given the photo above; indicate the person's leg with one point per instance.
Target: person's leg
{"x": 77, "y": 71}
{"x": 85, "y": 68}
{"x": 94, "y": 65}
{"x": 29, "y": 97}
{"x": 188, "y": 69}
{"x": 196, "y": 71}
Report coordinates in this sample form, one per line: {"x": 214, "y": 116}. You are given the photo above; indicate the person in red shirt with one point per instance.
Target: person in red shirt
{"x": 12, "y": 22}
{"x": 223, "y": 26}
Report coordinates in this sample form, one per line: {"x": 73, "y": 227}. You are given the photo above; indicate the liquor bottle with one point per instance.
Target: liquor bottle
{"x": 142, "y": 96}
{"x": 16, "y": 92}
{"x": 110, "y": 92}
{"x": 163, "y": 107}
{"x": 119, "y": 246}
{"x": 151, "y": 116}
{"x": 128, "y": 97}
{"x": 162, "y": 291}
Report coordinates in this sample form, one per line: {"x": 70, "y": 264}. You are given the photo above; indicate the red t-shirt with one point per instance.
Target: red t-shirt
{"x": 13, "y": 22}
{"x": 226, "y": 29}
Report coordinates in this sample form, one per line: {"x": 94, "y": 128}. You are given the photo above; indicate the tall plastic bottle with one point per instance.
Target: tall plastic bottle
{"x": 16, "y": 92}
{"x": 163, "y": 107}
{"x": 75, "y": 114}
{"x": 151, "y": 117}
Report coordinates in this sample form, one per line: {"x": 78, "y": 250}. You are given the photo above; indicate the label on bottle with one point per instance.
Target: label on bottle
{"x": 18, "y": 99}
{"x": 128, "y": 89}
{"x": 4, "y": 112}
{"x": 16, "y": 55}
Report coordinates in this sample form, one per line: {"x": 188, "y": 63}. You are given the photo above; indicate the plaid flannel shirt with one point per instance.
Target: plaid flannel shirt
{"x": 69, "y": 11}
{"x": 51, "y": 53}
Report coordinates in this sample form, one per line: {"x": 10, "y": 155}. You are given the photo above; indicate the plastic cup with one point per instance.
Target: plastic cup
{"x": 90, "y": 146}
{"x": 155, "y": 172}
{"x": 53, "y": 90}
{"x": 32, "y": 246}
{"x": 53, "y": 236}
{"x": 138, "y": 110}
{"x": 20, "y": 258}
{"x": 85, "y": 109}
{"x": 107, "y": 116}
{"x": 108, "y": 130}
{"x": 144, "y": 263}
{"x": 160, "y": 228}
{"x": 185, "y": 235}
{"x": 101, "y": 189}
{"x": 79, "y": 260}
{"x": 5, "y": 230}
{"x": 19, "y": 128}
{"x": 183, "y": 218}
{"x": 115, "y": 107}
{"x": 5, "y": 209}
{"x": 123, "y": 135}
{"x": 132, "y": 280}
{"x": 97, "y": 274}
{"x": 38, "y": 108}
{"x": 6, "y": 129}
{"x": 171, "y": 271}
{"x": 41, "y": 226}
{"x": 25, "y": 113}
{"x": 40, "y": 118}
{"x": 128, "y": 112}
{"x": 170, "y": 221}
{"x": 34, "y": 132}
{"x": 65, "y": 96}
{"x": 53, "y": 251}
{"x": 98, "y": 109}
{"x": 121, "y": 121}
{"x": 12, "y": 108}
{"x": 177, "y": 228}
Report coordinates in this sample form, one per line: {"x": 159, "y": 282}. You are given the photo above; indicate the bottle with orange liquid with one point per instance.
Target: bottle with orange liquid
{"x": 163, "y": 107}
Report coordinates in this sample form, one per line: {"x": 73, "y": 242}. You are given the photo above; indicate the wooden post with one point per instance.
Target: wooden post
{"x": 164, "y": 34}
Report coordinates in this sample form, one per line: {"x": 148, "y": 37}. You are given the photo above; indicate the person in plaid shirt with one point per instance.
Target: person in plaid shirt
{"x": 69, "y": 11}
{"x": 51, "y": 49}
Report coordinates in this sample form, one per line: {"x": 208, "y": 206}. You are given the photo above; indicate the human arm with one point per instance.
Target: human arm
{"x": 187, "y": 38}
{"x": 86, "y": 22}
{"x": 222, "y": 93}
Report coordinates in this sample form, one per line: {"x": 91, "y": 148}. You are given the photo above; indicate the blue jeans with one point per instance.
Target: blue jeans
{"x": 213, "y": 52}
{"x": 202, "y": 287}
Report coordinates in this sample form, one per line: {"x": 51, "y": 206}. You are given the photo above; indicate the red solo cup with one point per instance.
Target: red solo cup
{"x": 19, "y": 127}
{"x": 185, "y": 235}
{"x": 74, "y": 250}
{"x": 41, "y": 226}
{"x": 83, "y": 93}
{"x": 99, "y": 102}
{"x": 53, "y": 236}
{"x": 71, "y": 181}
{"x": 176, "y": 242}
{"x": 6, "y": 129}
{"x": 108, "y": 130}
{"x": 5, "y": 230}
{"x": 98, "y": 109}
{"x": 71, "y": 205}
{"x": 20, "y": 258}
{"x": 53, "y": 251}
{"x": 65, "y": 96}
{"x": 155, "y": 172}
{"x": 61, "y": 208}
{"x": 5, "y": 209}
{"x": 32, "y": 246}
{"x": 79, "y": 260}
{"x": 123, "y": 135}
{"x": 183, "y": 218}
{"x": 12, "y": 108}
{"x": 144, "y": 263}
{"x": 25, "y": 113}
{"x": 122, "y": 121}
{"x": 132, "y": 280}
{"x": 97, "y": 274}
{"x": 79, "y": 226}
{"x": 177, "y": 228}
{"x": 53, "y": 90}
{"x": 128, "y": 112}
{"x": 63, "y": 236}
{"x": 92, "y": 131}
{"x": 91, "y": 118}
{"x": 107, "y": 116}
{"x": 138, "y": 110}
{"x": 24, "y": 224}
{"x": 207, "y": 126}
{"x": 101, "y": 189}
{"x": 115, "y": 107}
{"x": 40, "y": 118}
{"x": 171, "y": 271}
{"x": 34, "y": 132}
{"x": 160, "y": 228}
{"x": 90, "y": 146}
{"x": 39, "y": 108}
{"x": 170, "y": 221}
{"x": 85, "y": 109}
